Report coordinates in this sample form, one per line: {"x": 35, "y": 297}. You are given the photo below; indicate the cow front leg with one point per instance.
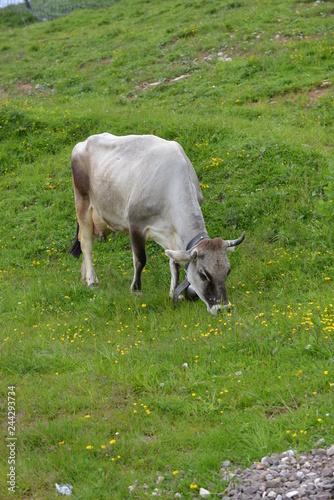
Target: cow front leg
{"x": 139, "y": 257}
{"x": 175, "y": 275}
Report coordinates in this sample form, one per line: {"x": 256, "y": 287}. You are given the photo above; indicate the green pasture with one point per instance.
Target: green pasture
{"x": 123, "y": 395}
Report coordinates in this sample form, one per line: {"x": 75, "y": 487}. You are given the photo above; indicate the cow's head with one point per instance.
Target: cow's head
{"x": 207, "y": 269}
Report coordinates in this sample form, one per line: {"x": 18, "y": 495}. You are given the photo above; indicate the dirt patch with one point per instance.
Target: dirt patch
{"x": 311, "y": 96}
{"x": 315, "y": 94}
{"x": 25, "y": 88}
{"x": 204, "y": 56}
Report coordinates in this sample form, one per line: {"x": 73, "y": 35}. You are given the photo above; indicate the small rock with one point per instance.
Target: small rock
{"x": 319, "y": 442}
{"x": 227, "y": 463}
{"x": 325, "y": 495}
{"x": 177, "y": 495}
{"x": 328, "y": 472}
{"x": 273, "y": 483}
{"x": 292, "y": 494}
{"x": 311, "y": 475}
{"x": 330, "y": 451}
{"x": 204, "y": 493}
{"x": 265, "y": 461}
{"x": 225, "y": 477}
{"x": 326, "y": 485}
{"x": 251, "y": 490}
{"x": 272, "y": 494}
{"x": 300, "y": 475}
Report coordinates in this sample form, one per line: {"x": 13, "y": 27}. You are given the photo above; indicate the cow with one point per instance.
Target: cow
{"x": 147, "y": 187}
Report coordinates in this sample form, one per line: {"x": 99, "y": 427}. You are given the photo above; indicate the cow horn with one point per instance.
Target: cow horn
{"x": 234, "y": 243}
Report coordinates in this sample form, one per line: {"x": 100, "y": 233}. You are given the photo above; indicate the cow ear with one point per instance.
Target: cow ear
{"x": 230, "y": 249}
{"x": 181, "y": 256}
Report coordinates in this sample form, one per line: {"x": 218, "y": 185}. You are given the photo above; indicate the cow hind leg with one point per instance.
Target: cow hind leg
{"x": 139, "y": 257}
{"x": 86, "y": 238}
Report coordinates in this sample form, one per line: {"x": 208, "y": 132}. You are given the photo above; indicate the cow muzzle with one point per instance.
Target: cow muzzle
{"x": 217, "y": 308}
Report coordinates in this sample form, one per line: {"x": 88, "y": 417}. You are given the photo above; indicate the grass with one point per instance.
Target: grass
{"x": 115, "y": 390}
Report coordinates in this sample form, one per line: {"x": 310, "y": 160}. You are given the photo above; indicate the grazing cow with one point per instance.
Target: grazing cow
{"x": 147, "y": 187}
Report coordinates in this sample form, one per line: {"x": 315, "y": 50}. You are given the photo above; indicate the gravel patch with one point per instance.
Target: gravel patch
{"x": 308, "y": 476}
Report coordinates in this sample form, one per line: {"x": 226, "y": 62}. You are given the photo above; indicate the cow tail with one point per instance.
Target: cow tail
{"x": 75, "y": 249}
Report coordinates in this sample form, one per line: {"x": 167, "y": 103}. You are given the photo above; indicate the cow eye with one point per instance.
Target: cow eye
{"x": 202, "y": 276}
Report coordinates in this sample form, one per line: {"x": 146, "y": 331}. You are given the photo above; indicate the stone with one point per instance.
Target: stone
{"x": 204, "y": 493}
{"x": 328, "y": 472}
{"x": 324, "y": 496}
{"x": 265, "y": 461}
{"x": 251, "y": 490}
{"x": 326, "y": 486}
{"x": 284, "y": 476}
{"x": 330, "y": 451}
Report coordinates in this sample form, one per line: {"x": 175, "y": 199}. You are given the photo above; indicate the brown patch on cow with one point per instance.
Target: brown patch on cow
{"x": 214, "y": 244}
{"x": 80, "y": 177}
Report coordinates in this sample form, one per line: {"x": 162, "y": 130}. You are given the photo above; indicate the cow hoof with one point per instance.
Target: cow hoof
{"x": 92, "y": 282}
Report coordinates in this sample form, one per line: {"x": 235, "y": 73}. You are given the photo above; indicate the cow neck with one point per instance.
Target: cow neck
{"x": 199, "y": 237}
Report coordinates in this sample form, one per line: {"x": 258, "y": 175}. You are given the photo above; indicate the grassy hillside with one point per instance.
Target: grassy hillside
{"x": 114, "y": 390}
